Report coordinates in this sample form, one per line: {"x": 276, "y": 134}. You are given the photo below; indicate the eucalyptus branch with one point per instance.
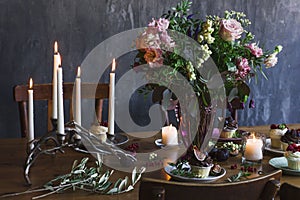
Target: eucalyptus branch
{"x": 87, "y": 179}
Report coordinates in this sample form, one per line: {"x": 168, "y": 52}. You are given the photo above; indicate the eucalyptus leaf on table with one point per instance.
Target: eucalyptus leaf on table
{"x": 238, "y": 176}
{"x": 90, "y": 179}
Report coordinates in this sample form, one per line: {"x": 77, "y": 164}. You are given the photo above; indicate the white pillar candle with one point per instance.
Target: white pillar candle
{"x": 56, "y": 63}
{"x": 30, "y": 113}
{"x": 253, "y": 149}
{"x": 60, "y": 102}
{"x": 169, "y": 135}
{"x": 78, "y": 97}
{"x": 111, "y": 105}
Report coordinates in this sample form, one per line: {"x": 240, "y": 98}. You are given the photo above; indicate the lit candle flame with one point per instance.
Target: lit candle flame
{"x": 113, "y": 67}
{"x": 55, "y": 47}
{"x": 30, "y": 84}
{"x": 78, "y": 72}
{"x": 253, "y": 136}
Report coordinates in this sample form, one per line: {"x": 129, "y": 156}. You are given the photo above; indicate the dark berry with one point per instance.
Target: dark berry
{"x": 273, "y": 126}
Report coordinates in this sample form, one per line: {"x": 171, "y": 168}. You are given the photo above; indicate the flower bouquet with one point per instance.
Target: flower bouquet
{"x": 225, "y": 40}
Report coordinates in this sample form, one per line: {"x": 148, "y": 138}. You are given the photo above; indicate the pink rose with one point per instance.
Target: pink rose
{"x": 154, "y": 57}
{"x": 255, "y": 50}
{"x": 149, "y": 39}
{"x": 230, "y": 29}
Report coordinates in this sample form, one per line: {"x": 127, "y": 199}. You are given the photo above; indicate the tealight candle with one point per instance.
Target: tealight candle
{"x": 169, "y": 135}
{"x": 253, "y": 149}
{"x": 30, "y": 113}
{"x": 78, "y": 97}
{"x": 111, "y": 103}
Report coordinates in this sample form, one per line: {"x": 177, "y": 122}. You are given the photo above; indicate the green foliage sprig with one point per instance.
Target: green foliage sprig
{"x": 90, "y": 179}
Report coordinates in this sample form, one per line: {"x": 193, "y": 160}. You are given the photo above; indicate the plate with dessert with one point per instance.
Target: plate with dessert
{"x": 280, "y": 137}
{"x": 290, "y": 162}
{"x": 197, "y": 166}
{"x": 192, "y": 175}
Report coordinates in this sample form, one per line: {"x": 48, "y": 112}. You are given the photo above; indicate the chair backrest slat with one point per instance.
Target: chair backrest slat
{"x": 155, "y": 189}
{"x": 44, "y": 92}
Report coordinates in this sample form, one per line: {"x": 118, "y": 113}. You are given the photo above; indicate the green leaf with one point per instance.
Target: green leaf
{"x": 130, "y": 187}
{"x": 123, "y": 184}
{"x": 117, "y": 182}
{"x": 133, "y": 176}
{"x": 231, "y": 66}
{"x": 112, "y": 191}
{"x": 105, "y": 186}
{"x": 79, "y": 171}
{"x": 74, "y": 164}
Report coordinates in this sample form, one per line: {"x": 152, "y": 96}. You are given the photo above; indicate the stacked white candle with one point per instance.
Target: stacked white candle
{"x": 30, "y": 113}
{"x": 169, "y": 135}
{"x": 56, "y": 63}
{"x": 253, "y": 149}
{"x": 60, "y": 102}
{"x": 78, "y": 97}
{"x": 111, "y": 104}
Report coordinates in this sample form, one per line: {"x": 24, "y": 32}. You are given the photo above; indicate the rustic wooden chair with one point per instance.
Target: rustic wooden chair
{"x": 289, "y": 192}
{"x": 44, "y": 92}
{"x": 263, "y": 188}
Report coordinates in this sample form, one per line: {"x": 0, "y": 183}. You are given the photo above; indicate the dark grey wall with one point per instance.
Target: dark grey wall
{"x": 29, "y": 28}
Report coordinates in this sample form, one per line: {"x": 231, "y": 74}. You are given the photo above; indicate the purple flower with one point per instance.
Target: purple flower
{"x": 252, "y": 103}
{"x": 243, "y": 68}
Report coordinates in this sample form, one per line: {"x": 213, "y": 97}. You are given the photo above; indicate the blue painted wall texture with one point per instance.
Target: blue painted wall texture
{"x": 29, "y": 28}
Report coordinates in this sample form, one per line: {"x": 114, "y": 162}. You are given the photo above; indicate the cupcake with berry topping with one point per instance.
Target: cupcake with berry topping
{"x": 290, "y": 137}
{"x": 230, "y": 127}
{"x": 292, "y": 155}
{"x": 276, "y": 132}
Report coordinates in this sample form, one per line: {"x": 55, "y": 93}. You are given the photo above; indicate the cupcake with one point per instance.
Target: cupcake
{"x": 291, "y": 136}
{"x": 292, "y": 155}
{"x": 276, "y": 132}
{"x": 200, "y": 163}
{"x": 230, "y": 127}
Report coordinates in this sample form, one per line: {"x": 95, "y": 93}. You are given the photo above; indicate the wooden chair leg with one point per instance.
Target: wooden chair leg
{"x": 270, "y": 190}
{"x": 99, "y": 109}
{"x": 23, "y": 118}
{"x": 50, "y": 127}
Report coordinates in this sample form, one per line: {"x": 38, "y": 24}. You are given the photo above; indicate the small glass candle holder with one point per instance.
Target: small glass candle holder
{"x": 253, "y": 147}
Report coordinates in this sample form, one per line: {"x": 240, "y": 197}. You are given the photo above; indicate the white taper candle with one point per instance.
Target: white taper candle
{"x": 56, "y": 63}
{"x": 78, "y": 97}
{"x": 30, "y": 113}
{"x": 60, "y": 102}
{"x": 111, "y": 105}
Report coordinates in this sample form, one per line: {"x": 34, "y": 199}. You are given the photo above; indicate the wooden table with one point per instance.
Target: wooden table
{"x": 13, "y": 154}
{"x": 295, "y": 180}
